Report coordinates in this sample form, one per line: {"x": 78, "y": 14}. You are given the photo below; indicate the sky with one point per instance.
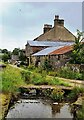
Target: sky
{"x": 22, "y": 21}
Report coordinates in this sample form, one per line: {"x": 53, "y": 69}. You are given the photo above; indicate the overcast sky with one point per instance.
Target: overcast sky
{"x": 22, "y": 21}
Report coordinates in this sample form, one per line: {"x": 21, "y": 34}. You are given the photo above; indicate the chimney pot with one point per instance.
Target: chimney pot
{"x": 57, "y": 17}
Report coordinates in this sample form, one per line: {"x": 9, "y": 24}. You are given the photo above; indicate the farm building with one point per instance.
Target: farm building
{"x": 43, "y": 48}
{"x": 57, "y": 56}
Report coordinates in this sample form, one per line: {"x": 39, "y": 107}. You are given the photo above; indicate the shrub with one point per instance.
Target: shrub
{"x": 80, "y": 113}
{"x": 31, "y": 67}
{"x": 66, "y": 72}
{"x": 46, "y": 92}
{"x": 57, "y": 94}
{"x": 39, "y": 69}
{"x": 46, "y": 65}
{"x": 75, "y": 92}
{"x": 26, "y": 76}
{"x": 36, "y": 79}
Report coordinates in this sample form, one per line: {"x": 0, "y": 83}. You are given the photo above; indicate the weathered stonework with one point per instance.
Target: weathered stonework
{"x": 56, "y": 33}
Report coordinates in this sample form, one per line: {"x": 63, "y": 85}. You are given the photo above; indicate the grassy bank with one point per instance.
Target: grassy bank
{"x": 64, "y": 72}
{"x": 42, "y": 79}
{"x": 11, "y": 79}
{"x": 4, "y": 102}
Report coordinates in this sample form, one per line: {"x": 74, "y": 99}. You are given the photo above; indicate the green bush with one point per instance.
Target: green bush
{"x": 26, "y": 76}
{"x": 75, "y": 92}
{"x": 46, "y": 65}
{"x": 66, "y": 72}
{"x": 31, "y": 67}
{"x": 38, "y": 79}
{"x": 57, "y": 94}
{"x": 38, "y": 69}
{"x": 80, "y": 113}
{"x": 47, "y": 92}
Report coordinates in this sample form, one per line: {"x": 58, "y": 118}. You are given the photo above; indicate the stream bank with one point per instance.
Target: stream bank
{"x": 6, "y": 101}
{"x": 10, "y": 99}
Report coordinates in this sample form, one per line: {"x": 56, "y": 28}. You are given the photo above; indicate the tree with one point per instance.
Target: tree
{"x": 16, "y": 51}
{"x": 77, "y": 56}
{"x": 5, "y": 51}
{"x": 22, "y": 56}
{"x": 5, "y": 57}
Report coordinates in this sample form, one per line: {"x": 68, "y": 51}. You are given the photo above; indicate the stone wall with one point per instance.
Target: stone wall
{"x": 55, "y": 60}
{"x": 76, "y": 67}
{"x": 29, "y": 50}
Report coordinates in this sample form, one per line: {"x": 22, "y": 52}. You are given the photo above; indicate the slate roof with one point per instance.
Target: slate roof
{"x": 46, "y": 51}
{"x": 54, "y": 50}
{"x": 48, "y": 43}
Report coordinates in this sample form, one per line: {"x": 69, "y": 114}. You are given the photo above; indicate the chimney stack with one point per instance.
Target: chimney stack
{"x": 46, "y": 28}
{"x": 58, "y": 22}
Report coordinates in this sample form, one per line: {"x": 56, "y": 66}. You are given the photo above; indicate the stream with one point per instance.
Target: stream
{"x": 39, "y": 108}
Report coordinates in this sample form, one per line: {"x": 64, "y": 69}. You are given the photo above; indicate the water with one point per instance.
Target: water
{"x": 39, "y": 108}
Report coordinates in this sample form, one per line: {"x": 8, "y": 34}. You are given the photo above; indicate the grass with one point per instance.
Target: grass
{"x": 11, "y": 79}
{"x": 42, "y": 79}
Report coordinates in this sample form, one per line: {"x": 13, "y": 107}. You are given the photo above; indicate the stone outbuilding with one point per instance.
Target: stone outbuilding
{"x": 57, "y": 56}
{"x": 33, "y": 47}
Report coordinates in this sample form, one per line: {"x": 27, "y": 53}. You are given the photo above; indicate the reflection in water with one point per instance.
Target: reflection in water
{"x": 39, "y": 108}
{"x": 56, "y": 108}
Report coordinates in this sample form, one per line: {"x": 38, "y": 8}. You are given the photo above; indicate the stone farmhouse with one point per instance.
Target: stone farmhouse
{"x": 56, "y": 33}
{"x": 55, "y": 44}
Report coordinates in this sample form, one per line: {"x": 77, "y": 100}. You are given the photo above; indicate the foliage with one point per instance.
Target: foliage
{"x": 26, "y": 76}
{"x": 52, "y": 73}
{"x": 66, "y": 72}
{"x": 46, "y": 65}
{"x": 57, "y": 94}
{"x": 75, "y": 92}
{"x": 4, "y": 51}
{"x": 80, "y": 114}
{"x": 11, "y": 79}
{"x": 16, "y": 51}
{"x": 36, "y": 78}
{"x": 39, "y": 69}
{"x": 31, "y": 67}
{"x": 5, "y": 57}
{"x": 77, "y": 56}
{"x": 47, "y": 92}
{"x": 20, "y": 53}
{"x": 56, "y": 81}
{"x": 22, "y": 56}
